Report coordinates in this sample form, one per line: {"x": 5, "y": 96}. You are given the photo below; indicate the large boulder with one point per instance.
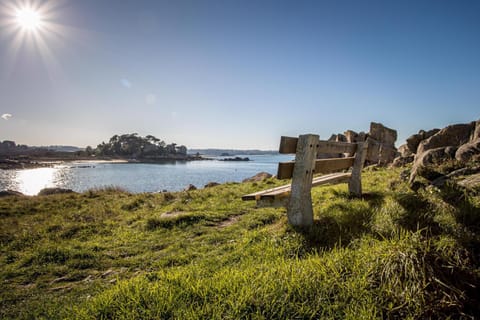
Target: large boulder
{"x": 405, "y": 151}
{"x": 402, "y": 161}
{"x": 454, "y": 135}
{"x": 469, "y": 151}
{"x": 352, "y": 136}
{"x": 381, "y": 154}
{"x": 476, "y": 132}
{"x": 336, "y": 138}
{"x": 414, "y": 140}
{"x": 467, "y": 174}
{"x": 381, "y": 149}
{"x": 382, "y": 134}
{"x": 258, "y": 177}
{"x": 434, "y": 156}
{"x": 459, "y": 141}
{"x": 190, "y": 187}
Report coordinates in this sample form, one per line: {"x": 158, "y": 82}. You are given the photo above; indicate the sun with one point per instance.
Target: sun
{"x": 31, "y": 20}
{"x": 28, "y": 19}
{"x": 33, "y": 26}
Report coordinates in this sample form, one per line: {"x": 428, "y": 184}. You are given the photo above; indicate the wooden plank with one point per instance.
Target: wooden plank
{"x": 331, "y": 165}
{"x": 299, "y": 210}
{"x": 333, "y": 178}
{"x": 285, "y": 169}
{"x": 355, "y": 183}
{"x": 257, "y": 195}
{"x": 317, "y": 181}
{"x": 336, "y": 147}
{"x": 277, "y": 194}
{"x": 285, "y": 189}
{"x": 289, "y": 145}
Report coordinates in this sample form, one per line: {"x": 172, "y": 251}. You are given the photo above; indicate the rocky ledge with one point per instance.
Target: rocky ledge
{"x": 440, "y": 155}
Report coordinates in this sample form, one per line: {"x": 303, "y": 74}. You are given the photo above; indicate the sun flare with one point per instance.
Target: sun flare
{"x": 31, "y": 21}
{"x": 28, "y": 19}
{"x": 33, "y": 26}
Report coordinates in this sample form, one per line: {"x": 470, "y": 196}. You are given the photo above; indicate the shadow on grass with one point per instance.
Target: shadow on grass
{"x": 349, "y": 223}
{"x": 419, "y": 214}
{"x": 467, "y": 214}
{"x": 374, "y": 199}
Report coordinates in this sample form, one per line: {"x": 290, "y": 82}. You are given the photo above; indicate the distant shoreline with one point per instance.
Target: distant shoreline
{"x": 19, "y": 162}
{"x": 22, "y": 164}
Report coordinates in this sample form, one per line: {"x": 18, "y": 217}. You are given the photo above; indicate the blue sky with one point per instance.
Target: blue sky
{"x": 237, "y": 74}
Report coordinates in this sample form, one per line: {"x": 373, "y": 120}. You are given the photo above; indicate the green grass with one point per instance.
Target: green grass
{"x": 205, "y": 254}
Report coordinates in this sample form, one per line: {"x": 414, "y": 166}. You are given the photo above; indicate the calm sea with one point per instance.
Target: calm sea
{"x": 137, "y": 177}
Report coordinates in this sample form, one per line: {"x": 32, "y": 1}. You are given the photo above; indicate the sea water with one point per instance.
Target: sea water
{"x": 137, "y": 177}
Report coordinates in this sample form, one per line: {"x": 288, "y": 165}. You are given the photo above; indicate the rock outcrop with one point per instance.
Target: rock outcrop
{"x": 471, "y": 182}
{"x": 190, "y": 187}
{"x": 211, "y": 185}
{"x": 50, "y": 191}
{"x": 414, "y": 140}
{"x": 381, "y": 151}
{"x": 402, "y": 161}
{"x": 8, "y": 193}
{"x": 469, "y": 151}
{"x": 258, "y": 177}
{"x": 405, "y": 151}
{"x": 336, "y": 138}
{"x": 460, "y": 142}
{"x": 451, "y": 136}
{"x": 382, "y": 148}
{"x": 408, "y": 150}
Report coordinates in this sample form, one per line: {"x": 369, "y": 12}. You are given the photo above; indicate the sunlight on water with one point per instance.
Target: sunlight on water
{"x": 136, "y": 177}
{"x": 30, "y": 182}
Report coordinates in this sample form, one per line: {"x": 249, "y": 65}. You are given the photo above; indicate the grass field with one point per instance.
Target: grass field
{"x": 206, "y": 254}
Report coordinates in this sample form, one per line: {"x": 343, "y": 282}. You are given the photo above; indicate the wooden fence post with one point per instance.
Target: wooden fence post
{"x": 300, "y": 211}
{"x": 355, "y": 182}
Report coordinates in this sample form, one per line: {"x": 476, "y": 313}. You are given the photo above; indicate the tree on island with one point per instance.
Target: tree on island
{"x": 134, "y": 146}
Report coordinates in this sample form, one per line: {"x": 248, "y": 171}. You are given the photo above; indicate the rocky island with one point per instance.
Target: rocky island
{"x": 236, "y": 159}
{"x": 125, "y": 147}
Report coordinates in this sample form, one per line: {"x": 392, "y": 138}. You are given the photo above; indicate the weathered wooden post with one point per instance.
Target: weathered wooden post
{"x": 355, "y": 182}
{"x": 299, "y": 210}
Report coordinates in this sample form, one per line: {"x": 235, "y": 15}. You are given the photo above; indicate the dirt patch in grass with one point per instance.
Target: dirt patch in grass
{"x": 173, "y": 214}
{"x": 228, "y": 222}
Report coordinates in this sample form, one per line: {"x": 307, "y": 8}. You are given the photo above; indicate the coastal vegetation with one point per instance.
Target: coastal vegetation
{"x": 135, "y": 146}
{"x": 205, "y": 254}
{"x": 126, "y": 146}
{"x": 8, "y": 147}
